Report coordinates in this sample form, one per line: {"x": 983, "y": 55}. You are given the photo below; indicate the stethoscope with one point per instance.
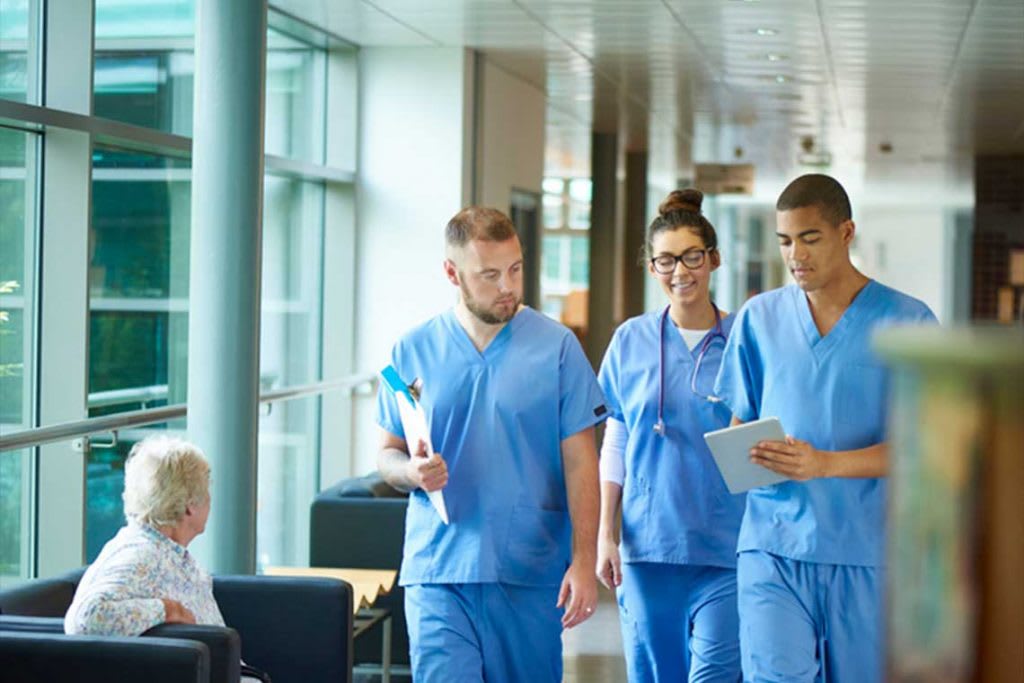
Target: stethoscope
{"x": 716, "y": 331}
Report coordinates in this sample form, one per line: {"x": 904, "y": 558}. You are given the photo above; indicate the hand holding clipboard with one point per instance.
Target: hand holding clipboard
{"x": 414, "y": 423}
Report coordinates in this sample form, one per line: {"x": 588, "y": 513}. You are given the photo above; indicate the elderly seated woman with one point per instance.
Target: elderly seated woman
{"x": 145, "y": 576}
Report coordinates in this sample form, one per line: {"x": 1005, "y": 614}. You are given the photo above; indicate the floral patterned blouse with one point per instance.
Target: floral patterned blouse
{"x": 120, "y": 593}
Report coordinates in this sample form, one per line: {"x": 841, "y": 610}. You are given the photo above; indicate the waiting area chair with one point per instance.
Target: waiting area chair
{"x": 31, "y": 657}
{"x": 359, "y": 523}
{"x": 298, "y": 630}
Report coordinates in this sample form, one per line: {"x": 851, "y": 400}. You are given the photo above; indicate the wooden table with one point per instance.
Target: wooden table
{"x": 367, "y": 584}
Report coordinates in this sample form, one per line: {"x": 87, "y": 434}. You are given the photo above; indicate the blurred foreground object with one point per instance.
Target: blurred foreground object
{"x": 955, "y": 600}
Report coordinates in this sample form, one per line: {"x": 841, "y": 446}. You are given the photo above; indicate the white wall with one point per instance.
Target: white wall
{"x": 510, "y": 140}
{"x": 429, "y": 144}
{"x": 905, "y": 247}
{"x": 413, "y": 176}
{"x": 908, "y": 246}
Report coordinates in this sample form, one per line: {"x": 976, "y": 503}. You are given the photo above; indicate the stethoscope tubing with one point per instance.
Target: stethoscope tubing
{"x": 716, "y": 331}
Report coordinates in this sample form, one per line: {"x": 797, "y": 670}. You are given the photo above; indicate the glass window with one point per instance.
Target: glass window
{"x": 145, "y": 70}
{"x": 295, "y": 109}
{"x": 138, "y": 277}
{"x": 18, "y": 154}
{"x": 139, "y": 260}
{"x": 289, "y": 356}
{"x": 579, "y": 215}
{"x": 552, "y": 249}
{"x": 138, "y": 309}
{"x": 17, "y": 261}
{"x": 553, "y": 218}
{"x": 144, "y": 63}
{"x": 17, "y": 50}
{"x": 104, "y": 483}
{"x": 554, "y": 186}
{"x": 579, "y": 203}
{"x": 579, "y": 190}
{"x": 579, "y": 262}
{"x": 565, "y": 250}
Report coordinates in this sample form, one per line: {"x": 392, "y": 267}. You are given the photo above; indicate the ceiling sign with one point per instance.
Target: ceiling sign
{"x": 725, "y": 178}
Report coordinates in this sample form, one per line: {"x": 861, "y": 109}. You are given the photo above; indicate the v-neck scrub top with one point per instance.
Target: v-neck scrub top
{"x": 830, "y": 391}
{"x": 498, "y": 419}
{"x": 676, "y": 507}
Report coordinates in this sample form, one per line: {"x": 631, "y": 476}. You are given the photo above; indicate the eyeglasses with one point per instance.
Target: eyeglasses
{"x": 693, "y": 259}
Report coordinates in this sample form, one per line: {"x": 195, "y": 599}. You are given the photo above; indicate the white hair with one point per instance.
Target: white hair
{"x": 162, "y": 476}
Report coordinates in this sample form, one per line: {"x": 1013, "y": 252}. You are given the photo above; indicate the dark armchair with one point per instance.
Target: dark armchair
{"x": 359, "y": 523}
{"x": 297, "y": 630}
{"x": 30, "y": 657}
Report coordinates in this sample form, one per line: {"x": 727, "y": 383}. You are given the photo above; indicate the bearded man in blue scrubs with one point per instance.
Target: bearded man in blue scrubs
{"x": 511, "y": 402}
{"x": 811, "y": 550}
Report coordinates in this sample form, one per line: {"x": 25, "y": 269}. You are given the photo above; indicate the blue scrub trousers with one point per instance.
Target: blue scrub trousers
{"x": 679, "y": 623}
{"x": 493, "y": 632}
{"x": 804, "y": 621}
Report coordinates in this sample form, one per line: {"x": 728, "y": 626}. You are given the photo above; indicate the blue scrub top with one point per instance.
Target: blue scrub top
{"x": 830, "y": 391}
{"x": 676, "y": 507}
{"x": 498, "y": 419}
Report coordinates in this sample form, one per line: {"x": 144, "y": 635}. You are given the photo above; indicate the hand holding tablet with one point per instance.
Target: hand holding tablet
{"x": 730, "y": 448}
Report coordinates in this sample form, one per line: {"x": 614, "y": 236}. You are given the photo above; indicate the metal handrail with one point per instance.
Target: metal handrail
{"x": 65, "y": 431}
{"x": 120, "y": 397}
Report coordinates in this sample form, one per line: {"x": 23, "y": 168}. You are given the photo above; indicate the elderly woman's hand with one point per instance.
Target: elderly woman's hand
{"x": 177, "y": 613}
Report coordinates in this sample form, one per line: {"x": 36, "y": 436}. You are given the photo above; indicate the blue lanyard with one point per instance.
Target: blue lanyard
{"x": 659, "y": 426}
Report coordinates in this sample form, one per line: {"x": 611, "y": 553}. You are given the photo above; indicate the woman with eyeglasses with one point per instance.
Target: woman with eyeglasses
{"x": 675, "y": 571}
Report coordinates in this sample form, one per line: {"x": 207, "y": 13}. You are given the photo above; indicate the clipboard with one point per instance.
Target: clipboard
{"x": 730, "y": 448}
{"x": 414, "y": 423}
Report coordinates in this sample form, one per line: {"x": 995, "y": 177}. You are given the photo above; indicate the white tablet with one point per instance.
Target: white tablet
{"x": 730, "y": 447}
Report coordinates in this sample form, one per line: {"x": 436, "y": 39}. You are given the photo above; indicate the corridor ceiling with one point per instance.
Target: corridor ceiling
{"x": 900, "y": 93}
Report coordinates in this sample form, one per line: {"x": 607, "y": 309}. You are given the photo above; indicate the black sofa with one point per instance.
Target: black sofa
{"x": 32, "y": 657}
{"x": 359, "y": 523}
{"x": 295, "y": 629}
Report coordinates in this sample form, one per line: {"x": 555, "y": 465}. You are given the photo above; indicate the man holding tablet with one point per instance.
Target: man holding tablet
{"x": 811, "y": 550}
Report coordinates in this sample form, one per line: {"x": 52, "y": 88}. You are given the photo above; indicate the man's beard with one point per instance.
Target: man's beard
{"x": 484, "y": 314}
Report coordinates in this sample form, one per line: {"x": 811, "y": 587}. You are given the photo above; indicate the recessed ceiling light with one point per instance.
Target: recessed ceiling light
{"x": 773, "y": 57}
{"x": 777, "y": 78}
{"x": 765, "y": 32}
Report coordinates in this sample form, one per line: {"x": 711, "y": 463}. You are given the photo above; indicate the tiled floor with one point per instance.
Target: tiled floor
{"x": 593, "y": 650}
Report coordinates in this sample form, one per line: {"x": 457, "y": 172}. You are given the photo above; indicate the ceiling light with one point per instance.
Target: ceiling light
{"x": 781, "y": 79}
{"x": 775, "y": 57}
{"x": 765, "y": 32}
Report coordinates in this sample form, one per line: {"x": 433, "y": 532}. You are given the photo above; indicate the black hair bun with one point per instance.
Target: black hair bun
{"x": 682, "y": 200}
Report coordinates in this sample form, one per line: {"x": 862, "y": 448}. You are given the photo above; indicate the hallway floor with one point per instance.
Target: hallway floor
{"x": 593, "y": 650}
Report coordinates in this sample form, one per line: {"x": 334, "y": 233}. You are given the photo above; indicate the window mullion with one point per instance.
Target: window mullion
{"x": 64, "y": 249}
